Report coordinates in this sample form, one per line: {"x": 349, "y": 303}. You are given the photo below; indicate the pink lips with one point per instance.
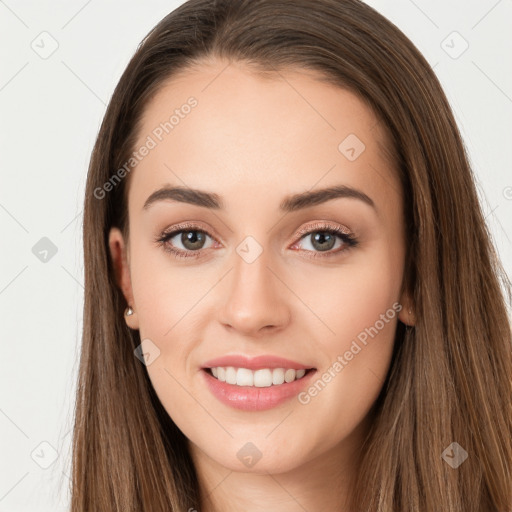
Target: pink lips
{"x": 255, "y": 363}
{"x": 250, "y": 398}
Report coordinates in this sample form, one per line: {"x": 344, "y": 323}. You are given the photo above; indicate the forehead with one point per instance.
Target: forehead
{"x": 219, "y": 125}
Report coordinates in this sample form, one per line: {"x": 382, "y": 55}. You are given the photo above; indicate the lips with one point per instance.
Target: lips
{"x": 255, "y": 363}
{"x": 249, "y": 398}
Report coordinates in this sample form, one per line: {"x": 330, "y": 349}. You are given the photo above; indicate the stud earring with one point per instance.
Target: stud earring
{"x": 129, "y": 311}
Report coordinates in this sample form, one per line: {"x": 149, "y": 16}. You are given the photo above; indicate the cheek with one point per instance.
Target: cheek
{"x": 165, "y": 293}
{"x": 167, "y": 307}
{"x": 367, "y": 294}
{"x": 166, "y": 298}
{"x": 355, "y": 297}
{"x": 361, "y": 305}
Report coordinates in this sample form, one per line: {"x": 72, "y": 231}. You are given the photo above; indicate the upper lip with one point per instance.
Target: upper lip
{"x": 254, "y": 363}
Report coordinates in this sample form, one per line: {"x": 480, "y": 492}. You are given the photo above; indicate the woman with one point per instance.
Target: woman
{"x": 292, "y": 300}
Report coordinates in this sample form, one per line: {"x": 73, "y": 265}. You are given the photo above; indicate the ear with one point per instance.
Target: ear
{"x": 406, "y": 315}
{"x": 119, "y": 253}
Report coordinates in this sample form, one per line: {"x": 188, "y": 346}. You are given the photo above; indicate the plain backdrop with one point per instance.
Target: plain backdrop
{"x": 60, "y": 62}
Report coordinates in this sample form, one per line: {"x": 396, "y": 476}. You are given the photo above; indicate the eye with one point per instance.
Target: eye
{"x": 191, "y": 238}
{"x": 323, "y": 238}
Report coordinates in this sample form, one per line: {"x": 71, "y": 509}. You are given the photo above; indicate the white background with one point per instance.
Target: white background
{"x": 50, "y": 112}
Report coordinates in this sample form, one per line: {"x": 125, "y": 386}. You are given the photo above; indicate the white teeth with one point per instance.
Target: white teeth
{"x": 289, "y": 375}
{"x": 278, "y": 376}
{"x": 262, "y": 378}
{"x": 231, "y": 375}
{"x": 244, "y": 377}
{"x": 258, "y": 378}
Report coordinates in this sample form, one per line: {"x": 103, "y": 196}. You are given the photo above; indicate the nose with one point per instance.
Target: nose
{"x": 255, "y": 299}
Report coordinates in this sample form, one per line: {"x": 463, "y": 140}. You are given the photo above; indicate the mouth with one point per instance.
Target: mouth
{"x": 256, "y": 390}
{"x": 260, "y": 378}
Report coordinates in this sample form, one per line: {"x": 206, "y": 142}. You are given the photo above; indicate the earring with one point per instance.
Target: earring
{"x": 129, "y": 311}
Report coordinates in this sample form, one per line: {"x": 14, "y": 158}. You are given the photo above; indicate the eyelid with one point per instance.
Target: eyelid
{"x": 321, "y": 225}
{"x": 192, "y": 226}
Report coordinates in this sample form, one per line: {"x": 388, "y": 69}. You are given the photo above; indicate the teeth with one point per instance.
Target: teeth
{"x": 258, "y": 378}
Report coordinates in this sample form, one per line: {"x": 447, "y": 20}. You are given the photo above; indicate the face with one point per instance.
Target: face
{"x": 266, "y": 266}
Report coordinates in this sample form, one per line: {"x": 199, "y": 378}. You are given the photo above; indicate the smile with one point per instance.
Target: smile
{"x": 254, "y": 397}
{"x": 264, "y": 377}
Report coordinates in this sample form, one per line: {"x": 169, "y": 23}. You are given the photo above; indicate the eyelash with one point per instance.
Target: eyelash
{"x": 348, "y": 238}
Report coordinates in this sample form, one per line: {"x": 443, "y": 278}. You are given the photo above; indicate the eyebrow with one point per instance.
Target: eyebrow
{"x": 291, "y": 203}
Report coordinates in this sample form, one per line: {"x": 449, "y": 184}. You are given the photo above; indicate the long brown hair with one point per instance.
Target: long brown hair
{"x": 450, "y": 377}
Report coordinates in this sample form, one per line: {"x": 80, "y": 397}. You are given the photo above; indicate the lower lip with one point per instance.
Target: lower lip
{"x": 250, "y": 398}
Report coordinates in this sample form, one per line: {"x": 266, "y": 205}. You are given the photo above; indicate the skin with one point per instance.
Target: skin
{"x": 254, "y": 141}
